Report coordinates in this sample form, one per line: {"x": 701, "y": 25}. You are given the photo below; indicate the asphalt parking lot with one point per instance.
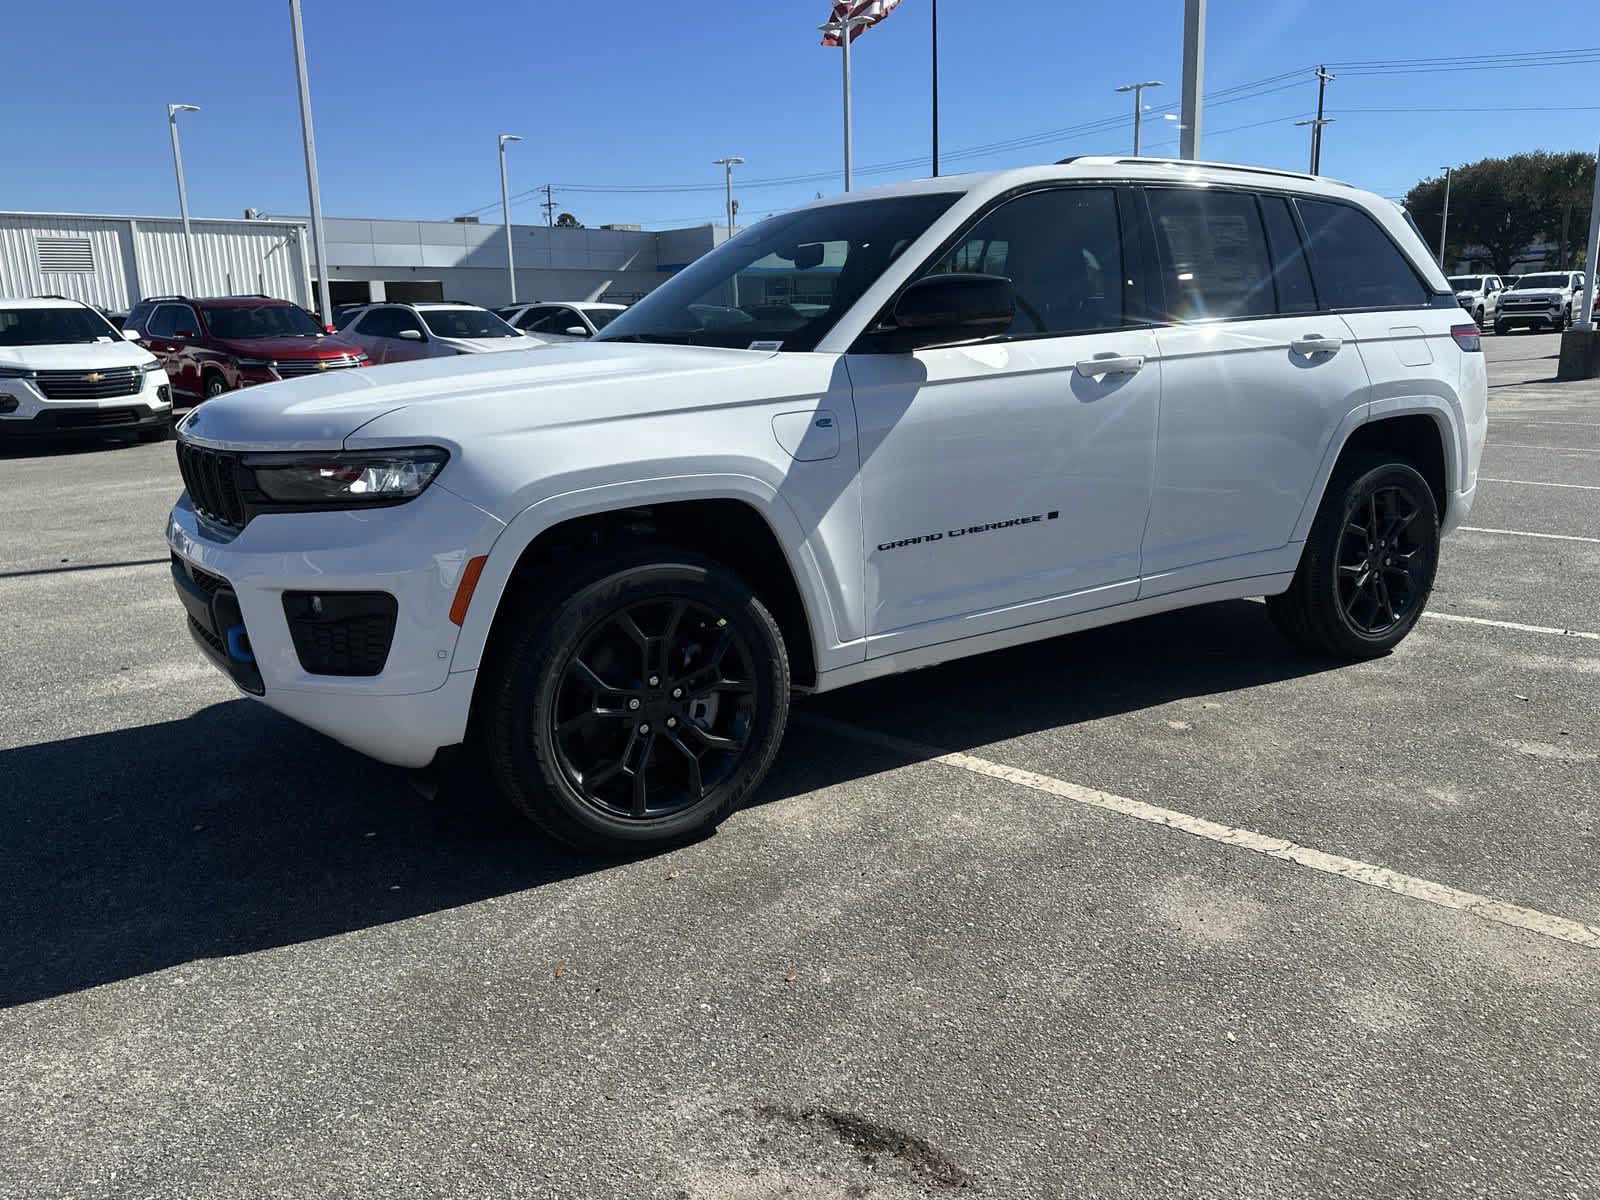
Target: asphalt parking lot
{"x": 1157, "y": 910}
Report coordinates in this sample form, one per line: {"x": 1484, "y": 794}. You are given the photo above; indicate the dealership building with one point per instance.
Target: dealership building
{"x": 115, "y": 261}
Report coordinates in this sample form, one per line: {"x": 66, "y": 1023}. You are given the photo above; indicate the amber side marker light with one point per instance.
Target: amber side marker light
{"x": 464, "y": 589}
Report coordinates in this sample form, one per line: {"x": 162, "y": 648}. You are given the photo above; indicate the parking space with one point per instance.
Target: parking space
{"x": 1157, "y": 910}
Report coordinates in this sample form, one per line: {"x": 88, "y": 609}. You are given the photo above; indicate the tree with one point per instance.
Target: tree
{"x": 568, "y": 221}
{"x": 1503, "y": 205}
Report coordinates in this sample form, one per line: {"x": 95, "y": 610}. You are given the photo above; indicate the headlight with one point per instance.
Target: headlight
{"x": 256, "y": 362}
{"x": 15, "y": 373}
{"x": 346, "y": 480}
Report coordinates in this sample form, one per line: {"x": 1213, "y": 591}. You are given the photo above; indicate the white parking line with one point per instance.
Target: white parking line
{"x": 1411, "y": 886}
{"x": 1582, "y": 487}
{"x": 1518, "y": 626}
{"x": 1557, "y": 537}
{"x": 1526, "y": 421}
{"x": 1560, "y": 449}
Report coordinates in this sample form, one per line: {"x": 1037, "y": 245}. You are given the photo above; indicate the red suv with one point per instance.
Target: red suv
{"x": 213, "y": 346}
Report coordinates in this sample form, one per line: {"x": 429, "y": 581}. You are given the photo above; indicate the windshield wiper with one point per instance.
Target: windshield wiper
{"x": 655, "y": 339}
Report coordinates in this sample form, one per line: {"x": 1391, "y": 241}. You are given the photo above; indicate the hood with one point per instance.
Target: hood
{"x": 82, "y": 356}
{"x": 1536, "y": 293}
{"x": 447, "y": 399}
{"x": 289, "y": 347}
{"x": 497, "y": 345}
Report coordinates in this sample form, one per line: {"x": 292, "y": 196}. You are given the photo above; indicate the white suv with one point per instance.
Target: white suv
{"x": 559, "y": 320}
{"x": 1547, "y": 298}
{"x": 65, "y": 369}
{"x": 873, "y": 434}
{"x": 1478, "y": 295}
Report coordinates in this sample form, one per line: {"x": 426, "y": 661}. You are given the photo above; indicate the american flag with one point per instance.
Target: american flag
{"x": 874, "y": 10}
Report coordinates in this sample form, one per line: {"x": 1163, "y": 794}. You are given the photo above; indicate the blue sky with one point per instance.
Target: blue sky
{"x": 409, "y": 96}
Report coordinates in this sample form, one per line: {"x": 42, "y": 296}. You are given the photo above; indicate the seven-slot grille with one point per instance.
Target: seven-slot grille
{"x": 91, "y": 385}
{"x": 288, "y": 368}
{"x": 212, "y": 480}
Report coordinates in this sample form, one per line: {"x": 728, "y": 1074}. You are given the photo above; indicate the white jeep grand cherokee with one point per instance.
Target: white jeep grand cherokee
{"x": 873, "y": 434}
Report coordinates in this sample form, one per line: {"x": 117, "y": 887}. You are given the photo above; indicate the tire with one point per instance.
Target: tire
{"x": 1477, "y": 316}
{"x": 1563, "y": 321}
{"x": 214, "y": 385}
{"x": 1501, "y": 328}
{"x": 1336, "y": 603}
{"x": 575, "y": 731}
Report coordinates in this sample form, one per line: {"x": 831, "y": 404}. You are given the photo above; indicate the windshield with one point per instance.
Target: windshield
{"x": 53, "y": 327}
{"x": 1529, "y": 282}
{"x": 1466, "y": 283}
{"x": 784, "y": 281}
{"x": 242, "y": 322}
{"x": 601, "y": 317}
{"x": 465, "y": 323}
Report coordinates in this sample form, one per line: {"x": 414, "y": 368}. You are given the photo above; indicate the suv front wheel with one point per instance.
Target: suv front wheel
{"x": 638, "y": 702}
{"x": 1368, "y": 564}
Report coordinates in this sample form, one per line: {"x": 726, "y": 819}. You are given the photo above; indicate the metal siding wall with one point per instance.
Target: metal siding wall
{"x": 230, "y": 257}
{"x": 106, "y": 285}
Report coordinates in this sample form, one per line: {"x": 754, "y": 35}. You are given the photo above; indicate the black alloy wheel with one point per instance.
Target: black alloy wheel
{"x": 633, "y": 700}
{"x": 215, "y": 386}
{"x": 1385, "y": 566}
{"x": 654, "y": 708}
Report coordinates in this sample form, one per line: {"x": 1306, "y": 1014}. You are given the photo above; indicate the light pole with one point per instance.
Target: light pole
{"x": 1138, "y": 94}
{"x": 1444, "y": 221}
{"x": 1194, "y": 77}
{"x": 183, "y": 196}
{"x": 505, "y": 213}
{"x": 727, "y": 165}
{"x": 313, "y": 190}
{"x": 842, "y": 29}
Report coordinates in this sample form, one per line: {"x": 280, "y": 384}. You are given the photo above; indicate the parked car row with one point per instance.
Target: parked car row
{"x": 1550, "y": 299}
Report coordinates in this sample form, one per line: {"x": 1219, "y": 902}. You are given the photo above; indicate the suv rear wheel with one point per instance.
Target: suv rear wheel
{"x": 638, "y": 702}
{"x": 1368, "y": 565}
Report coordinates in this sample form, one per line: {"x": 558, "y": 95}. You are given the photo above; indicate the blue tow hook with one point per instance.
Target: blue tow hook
{"x": 238, "y": 644}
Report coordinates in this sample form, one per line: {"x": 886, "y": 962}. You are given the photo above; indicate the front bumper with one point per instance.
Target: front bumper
{"x": 415, "y": 552}
{"x": 25, "y": 411}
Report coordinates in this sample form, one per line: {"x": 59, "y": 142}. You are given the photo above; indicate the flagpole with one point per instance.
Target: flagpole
{"x": 936, "y": 88}
{"x": 845, "y": 39}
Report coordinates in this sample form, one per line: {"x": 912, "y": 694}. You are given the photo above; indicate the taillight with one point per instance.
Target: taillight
{"x": 1467, "y": 337}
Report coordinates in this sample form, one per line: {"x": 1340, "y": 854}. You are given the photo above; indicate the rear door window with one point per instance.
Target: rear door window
{"x": 1213, "y": 254}
{"x": 1290, "y": 275}
{"x": 1356, "y": 264}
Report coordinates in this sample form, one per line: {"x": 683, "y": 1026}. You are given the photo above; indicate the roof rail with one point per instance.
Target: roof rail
{"x": 50, "y": 296}
{"x": 173, "y": 296}
{"x": 1220, "y": 166}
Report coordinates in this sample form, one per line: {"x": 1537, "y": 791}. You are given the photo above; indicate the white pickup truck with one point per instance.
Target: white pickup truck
{"x": 880, "y": 432}
{"x": 1548, "y": 299}
{"x": 1478, "y": 295}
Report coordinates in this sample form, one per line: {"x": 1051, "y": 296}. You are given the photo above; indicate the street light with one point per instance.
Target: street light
{"x": 505, "y": 212}
{"x": 183, "y": 196}
{"x": 1138, "y": 91}
{"x": 727, "y": 165}
{"x": 313, "y": 189}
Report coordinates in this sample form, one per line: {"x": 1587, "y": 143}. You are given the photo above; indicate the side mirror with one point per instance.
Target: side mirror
{"x": 133, "y": 335}
{"x": 576, "y": 331}
{"x": 411, "y": 335}
{"x": 956, "y": 307}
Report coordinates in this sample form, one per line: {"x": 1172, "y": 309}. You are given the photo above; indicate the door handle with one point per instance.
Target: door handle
{"x": 1110, "y": 364}
{"x": 1315, "y": 343}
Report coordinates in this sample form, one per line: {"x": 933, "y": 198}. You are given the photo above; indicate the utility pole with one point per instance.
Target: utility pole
{"x": 312, "y": 188}
{"x": 1194, "y": 66}
{"x": 505, "y": 214}
{"x": 727, "y": 165}
{"x": 1316, "y": 130}
{"x": 183, "y": 196}
{"x": 549, "y": 206}
{"x": 1587, "y": 320}
{"x": 936, "y": 88}
{"x": 1444, "y": 221}
{"x": 1138, "y": 96}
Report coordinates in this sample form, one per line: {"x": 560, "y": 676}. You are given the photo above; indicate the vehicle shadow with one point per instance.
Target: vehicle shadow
{"x": 235, "y": 830}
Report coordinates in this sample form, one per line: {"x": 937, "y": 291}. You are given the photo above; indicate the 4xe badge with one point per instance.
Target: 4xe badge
{"x": 968, "y": 530}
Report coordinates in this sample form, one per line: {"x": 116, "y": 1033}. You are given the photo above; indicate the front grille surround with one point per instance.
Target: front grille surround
{"x": 293, "y": 368}
{"x": 211, "y": 478}
{"x": 102, "y": 384}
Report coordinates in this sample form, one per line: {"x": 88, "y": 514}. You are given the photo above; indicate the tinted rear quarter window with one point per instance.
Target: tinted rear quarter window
{"x": 1214, "y": 254}
{"x": 1356, "y": 264}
